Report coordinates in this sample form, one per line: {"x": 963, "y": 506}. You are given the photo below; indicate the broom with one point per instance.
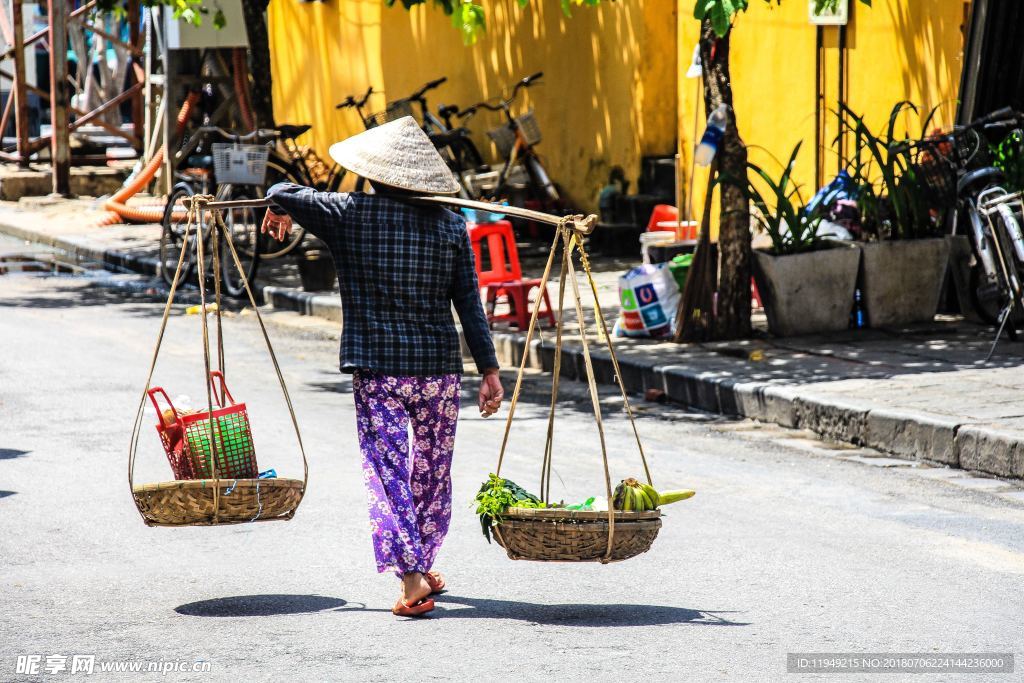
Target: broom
{"x": 695, "y": 321}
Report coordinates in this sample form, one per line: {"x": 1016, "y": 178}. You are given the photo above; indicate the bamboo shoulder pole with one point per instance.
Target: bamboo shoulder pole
{"x": 579, "y": 223}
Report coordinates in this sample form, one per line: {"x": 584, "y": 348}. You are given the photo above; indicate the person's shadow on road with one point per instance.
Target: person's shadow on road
{"x": 268, "y": 605}
{"x": 468, "y": 608}
{"x": 579, "y": 614}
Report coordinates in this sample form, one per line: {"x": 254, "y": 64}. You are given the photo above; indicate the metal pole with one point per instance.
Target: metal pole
{"x": 137, "y": 71}
{"x": 147, "y": 127}
{"x": 20, "y": 92}
{"x": 168, "y": 95}
{"x": 60, "y": 151}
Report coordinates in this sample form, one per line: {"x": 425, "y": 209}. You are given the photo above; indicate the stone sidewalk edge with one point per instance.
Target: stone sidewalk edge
{"x": 904, "y": 433}
{"x": 907, "y": 434}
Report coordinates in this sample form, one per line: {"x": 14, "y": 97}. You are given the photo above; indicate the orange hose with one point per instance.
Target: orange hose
{"x": 117, "y": 210}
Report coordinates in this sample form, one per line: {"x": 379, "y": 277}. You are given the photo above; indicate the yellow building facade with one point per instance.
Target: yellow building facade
{"x": 614, "y": 88}
{"x": 608, "y": 94}
{"x": 895, "y": 50}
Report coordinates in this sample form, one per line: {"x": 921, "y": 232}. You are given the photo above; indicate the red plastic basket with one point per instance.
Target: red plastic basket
{"x": 188, "y": 443}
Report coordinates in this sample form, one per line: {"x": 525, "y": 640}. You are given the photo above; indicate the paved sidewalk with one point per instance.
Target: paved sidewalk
{"x": 919, "y": 393}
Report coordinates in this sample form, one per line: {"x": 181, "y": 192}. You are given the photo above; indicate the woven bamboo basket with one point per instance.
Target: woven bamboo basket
{"x": 555, "y": 534}
{"x": 191, "y": 502}
{"x": 222, "y": 448}
{"x": 575, "y": 536}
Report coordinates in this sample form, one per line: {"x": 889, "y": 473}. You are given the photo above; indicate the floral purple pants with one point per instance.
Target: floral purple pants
{"x": 409, "y": 492}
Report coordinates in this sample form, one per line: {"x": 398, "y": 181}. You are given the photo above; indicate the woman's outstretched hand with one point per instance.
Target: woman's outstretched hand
{"x": 491, "y": 392}
{"x": 278, "y": 225}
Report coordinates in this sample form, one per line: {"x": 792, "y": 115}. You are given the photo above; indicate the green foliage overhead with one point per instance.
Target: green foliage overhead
{"x": 191, "y": 11}
{"x": 721, "y": 12}
{"x": 468, "y": 15}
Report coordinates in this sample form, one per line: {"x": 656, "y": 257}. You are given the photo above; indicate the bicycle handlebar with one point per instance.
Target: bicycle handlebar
{"x": 486, "y": 104}
{"x": 258, "y": 134}
{"x": 998, "y": 114}
{"x": 502, "y": 104}
{"x": 429, "y": 86}
{"x": 527, "y": 82}
{"x": 1000, "y": 117}
{"x": 351, "y": 101}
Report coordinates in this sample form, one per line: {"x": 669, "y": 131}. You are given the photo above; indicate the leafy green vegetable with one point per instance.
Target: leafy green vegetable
{"x": 497, "y": 495}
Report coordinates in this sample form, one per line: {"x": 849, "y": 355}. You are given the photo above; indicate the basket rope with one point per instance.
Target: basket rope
{"x": 195, "y": 209}
{"x": 571, "y": 242}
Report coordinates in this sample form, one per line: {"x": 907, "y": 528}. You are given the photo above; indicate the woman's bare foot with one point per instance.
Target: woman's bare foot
{"x": 414, "y": 588}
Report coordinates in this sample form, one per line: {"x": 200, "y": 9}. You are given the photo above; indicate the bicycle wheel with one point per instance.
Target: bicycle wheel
{"x": 542, "y": 185}
{"x": 278, "y": 171}
{"x": 467, "y": 156}
{"x": 988, "y": 298}
{"x": 243, "y": 230}
{"x": 173, "y": 235}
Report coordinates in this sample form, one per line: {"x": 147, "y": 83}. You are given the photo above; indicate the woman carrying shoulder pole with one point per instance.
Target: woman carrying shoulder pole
{"x": 401, "y": 267}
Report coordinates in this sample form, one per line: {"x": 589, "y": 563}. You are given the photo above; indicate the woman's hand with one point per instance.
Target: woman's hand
{"x": 278, "y": 225}
{"x": 491, "y": 392}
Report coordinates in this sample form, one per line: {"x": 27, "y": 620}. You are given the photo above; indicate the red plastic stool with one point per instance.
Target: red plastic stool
{"x": 503, "y": 280}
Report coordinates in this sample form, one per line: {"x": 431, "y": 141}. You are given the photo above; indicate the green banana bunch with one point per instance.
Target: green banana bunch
{"x": 633, "y": 496}
{"x": 630, "y": 496}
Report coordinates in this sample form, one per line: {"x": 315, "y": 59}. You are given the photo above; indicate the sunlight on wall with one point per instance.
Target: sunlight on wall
{"x": 896, "y": 50}
{"x": 608, "y": 93}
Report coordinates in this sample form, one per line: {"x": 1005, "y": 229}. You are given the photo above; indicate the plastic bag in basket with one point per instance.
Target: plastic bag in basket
{"x": 187, "y": 441}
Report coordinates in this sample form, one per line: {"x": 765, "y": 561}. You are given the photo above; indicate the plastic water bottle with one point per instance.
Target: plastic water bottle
{"x": 712, "y": 137}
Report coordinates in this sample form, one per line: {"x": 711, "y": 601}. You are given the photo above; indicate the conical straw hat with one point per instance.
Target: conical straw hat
{"x": 399, "y": 154}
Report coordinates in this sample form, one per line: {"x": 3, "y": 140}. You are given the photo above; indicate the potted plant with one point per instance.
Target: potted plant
{"x": 806, "y": 282}
{"x": 905, "y": 253}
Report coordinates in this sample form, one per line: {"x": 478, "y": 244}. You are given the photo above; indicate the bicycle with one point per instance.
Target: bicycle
{"x": 957, "y": 165}
{"x": 199, "y": 177}
{"x": 288, "y": 162}
{"x": 452, "y": 142}
{"x": 522, "y": 171}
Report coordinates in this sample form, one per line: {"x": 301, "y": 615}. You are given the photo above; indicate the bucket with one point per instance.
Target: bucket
{"x": 316, "y": 269}
{"x": 649, "y": 238}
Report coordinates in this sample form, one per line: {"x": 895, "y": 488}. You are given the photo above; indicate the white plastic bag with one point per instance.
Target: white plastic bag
{"x": 649, "y": 298}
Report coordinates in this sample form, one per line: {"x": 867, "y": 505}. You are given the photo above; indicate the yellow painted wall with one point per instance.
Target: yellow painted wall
{"x": 609, "y": 93}
{"x": 896, "y": 50}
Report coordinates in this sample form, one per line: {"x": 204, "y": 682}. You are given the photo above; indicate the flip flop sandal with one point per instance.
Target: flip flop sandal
{"x": 403, "y": 609}
{"x": 435, "y": 581}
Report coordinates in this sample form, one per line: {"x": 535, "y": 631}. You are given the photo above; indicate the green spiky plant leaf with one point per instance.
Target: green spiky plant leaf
{"x": 893, "y": 198}
{"x": 780, "y": 213}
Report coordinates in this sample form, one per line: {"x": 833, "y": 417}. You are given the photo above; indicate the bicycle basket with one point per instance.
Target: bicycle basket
{"x": 504, "y": 138}
{"x": 930, "y": 165}
{"x": 394, "y": 111}
{"x": 972, "y": 150}
{"x": 529, "y": 128}
{"x": 240, "y": 164}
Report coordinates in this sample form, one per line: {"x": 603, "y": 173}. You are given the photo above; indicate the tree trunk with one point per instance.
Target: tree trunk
{"x": 733, "y": 310}
{"x": 259, "y": 61}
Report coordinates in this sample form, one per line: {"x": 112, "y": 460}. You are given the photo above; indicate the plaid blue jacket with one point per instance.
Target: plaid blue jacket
{"x": 401, "y": 267}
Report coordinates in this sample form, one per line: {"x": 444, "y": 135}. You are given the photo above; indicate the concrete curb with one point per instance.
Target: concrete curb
{"x": 326, "y": 306}
{"x": 703, "y": 380}
{"x": 907, "y": 434}
{"x": 113, "y": 258}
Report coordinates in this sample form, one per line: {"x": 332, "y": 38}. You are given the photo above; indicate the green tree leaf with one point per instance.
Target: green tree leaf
{"x": 720, "y": 20}
{"x": 701, "y": 9}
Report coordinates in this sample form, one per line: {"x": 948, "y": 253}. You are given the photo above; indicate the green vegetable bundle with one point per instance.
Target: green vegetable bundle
{"x": 497, "y": 495}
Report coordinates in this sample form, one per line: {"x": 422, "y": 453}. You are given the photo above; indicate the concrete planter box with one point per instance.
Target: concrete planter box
{"x": 810, "y": 292}
{"x": 902, "y": 280}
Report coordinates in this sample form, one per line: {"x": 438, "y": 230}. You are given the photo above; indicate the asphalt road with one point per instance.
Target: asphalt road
{"x": 785, "y": 548}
